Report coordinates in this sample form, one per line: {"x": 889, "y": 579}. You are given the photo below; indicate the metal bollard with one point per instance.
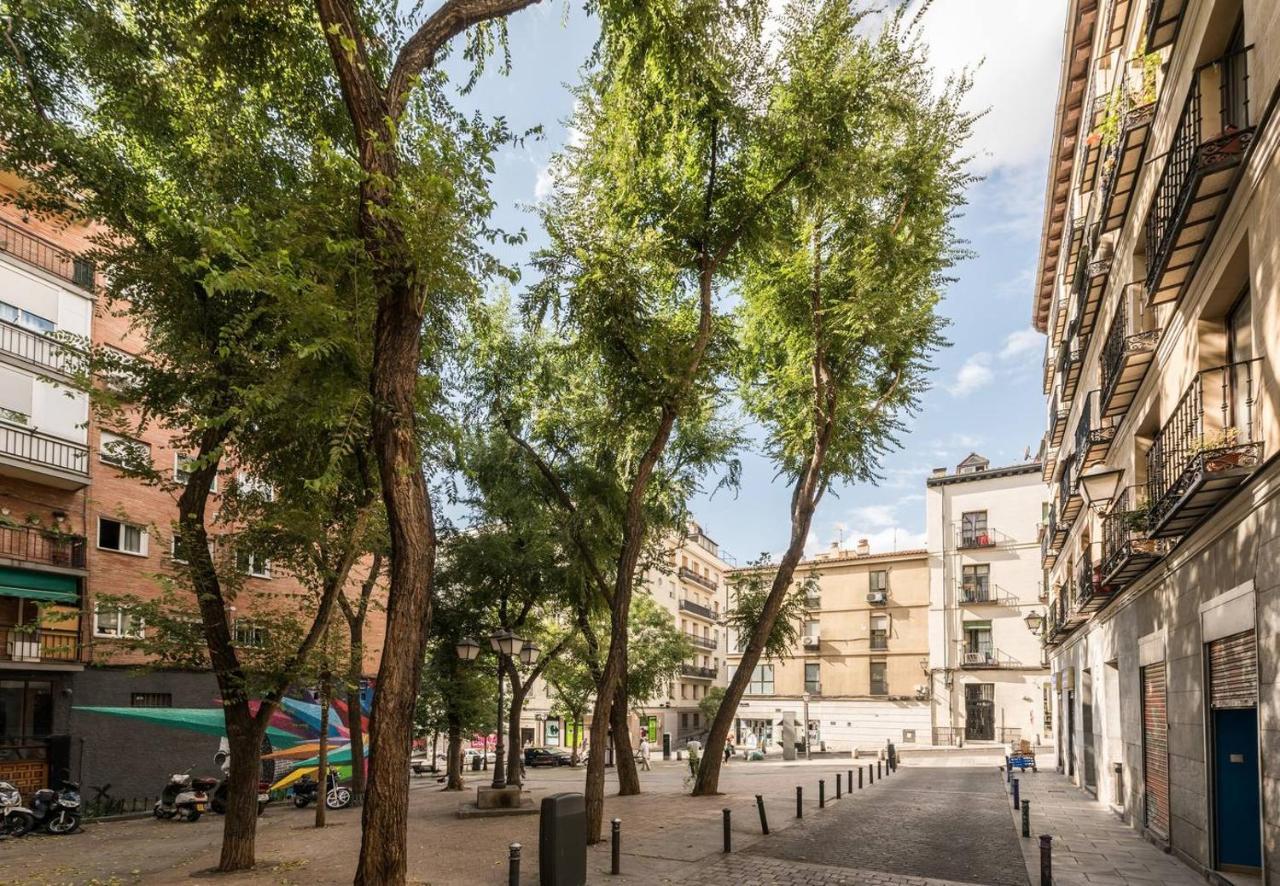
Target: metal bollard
{"x": 617, "y": 847}
{"x": 513, "y": 866}
{"x": 764, "y": 822}
{"x": 838, "y": 777}
{"x": 822, "y": 794}
{"x": 879, "y": 769}
{"x": 728, "y": 839}
{"x": 859, "y": 778}
{"x": 871, "y": 774}
{"x": 799, "y": 802}
{"x": 849, "y": 782}
{"x": 1015, "y": 794}
{"x": 1046, "y": 860}
{"x": 1008, "y": 771}
{"x": 1026, "y": 818}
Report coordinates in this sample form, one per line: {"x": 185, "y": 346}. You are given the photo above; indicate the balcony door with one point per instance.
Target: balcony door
{"x": 978, "y": 648}
{"x": 1241, "y": 373}
{"x": 979, "y": 711}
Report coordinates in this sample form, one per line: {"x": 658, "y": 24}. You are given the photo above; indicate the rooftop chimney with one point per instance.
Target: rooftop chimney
{"x": 864, "y": 547}
{"x": 939, "y": 472}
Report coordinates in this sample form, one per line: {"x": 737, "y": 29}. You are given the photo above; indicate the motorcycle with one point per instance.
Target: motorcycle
{"x": 184, "y": 797}
{"x": 218, "y": 800}
{"x": 57, "y": 812}
{"x": 15, "y": 819}
{"x": 336, "y": 796}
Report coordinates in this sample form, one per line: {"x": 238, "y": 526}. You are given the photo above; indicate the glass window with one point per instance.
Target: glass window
{"x": 182, "y": 467}
{"x": 116, "y": 621}
{"x": 249, "y": 634}
{"x": 880, "y": 580}
{"x": 253, "y": 564}
{"x": 812, "y": 677}
{"x": 26, "y": 319}
{"x": 26, "y": 708}
{"x": 114, "y": 449}
{"x": 879, "y": 632}
{"x": 879, "y": 678}
{"x": 973, "y": 528}
{"x": 975, "y": 585}
{"x": 761, "y": 681}
{"x": 123, "y": 537}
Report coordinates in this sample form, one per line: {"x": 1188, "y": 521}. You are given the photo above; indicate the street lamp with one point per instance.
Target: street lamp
{"x": 1099, "y": 487}
{"x": 468, "y": 649}
{"x": 805, "y": 698}
{"x": 507, "y": 645}
{"x": 1035, "y": 621}
{"x": 529, "y": 654}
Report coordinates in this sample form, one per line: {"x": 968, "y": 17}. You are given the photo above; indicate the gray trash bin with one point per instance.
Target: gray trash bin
{"x": 562, "y": 840}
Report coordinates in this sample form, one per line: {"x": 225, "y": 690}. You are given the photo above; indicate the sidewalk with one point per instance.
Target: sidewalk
{"x": 1091, "y": 845}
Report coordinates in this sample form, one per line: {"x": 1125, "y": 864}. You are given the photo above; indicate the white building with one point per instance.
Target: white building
{"x": 988, "y": 679}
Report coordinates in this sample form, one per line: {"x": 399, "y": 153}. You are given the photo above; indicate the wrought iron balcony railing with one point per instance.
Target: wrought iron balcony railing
{"x": 970, "y": 537}
{"x": 1214, "y": 131}
{"x": 37, "y": 349}
{"x": 35, "y": 545}
{"x": 697, "y": 672}
{"x": 42, "y": 450}
{"x": 36, "y": 250}
{"x": 1127, "y": 549}
{"x": 1206, "y": 448}
{"x": 1094, "y": 433}
{"x": 28, "y": 643}
{"x": 689, "y": 575}
{"x": 976, "y": 589}
{"x": 1126, "y": 354}
{"x": 702, "y": 642}
{"x": 698, "y": 609}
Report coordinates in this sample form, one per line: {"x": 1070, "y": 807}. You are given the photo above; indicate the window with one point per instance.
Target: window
{"x": 250, "y": 485}
{"x": 177, "y": 552}
{"x": 761, "y": 681}
{"x": 879, "y": 678}
{"x": 812, "y": 627}
{"x": 249, "y": 634}
{"x": 114, "y": 449}
{"x": 973, "y": 529}
{"x": 1048, "y": 710}
{"x": 253, "y": 564}
{"x": 975, "y": 583}
{"x": 151, "y": 700}
{"x": 16, "y": 394}
{"x": 26, "y": 319}
{"x": 122, "y": 537}
{"x": 977, "y": 643}
{"x": 182, "y": 467}
{"x": 116, "y": 621}
{"x": 812, "y": 677}
{"x": 26, "y": 708}
{"x": 879, "y": 632}
{"x": 880, "y": 580}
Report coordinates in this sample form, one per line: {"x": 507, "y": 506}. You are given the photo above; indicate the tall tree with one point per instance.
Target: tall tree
{"x": 355, "y": 612}
{"x": 390, "y": 90}
{"x": 838, "y": 312}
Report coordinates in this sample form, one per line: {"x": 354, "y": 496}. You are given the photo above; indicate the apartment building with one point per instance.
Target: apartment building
{"x": 988, "y": 679}
{"x": 1158, "y": 291}
{"x": 858, "y": 677}
{"x": 73, "y": 529}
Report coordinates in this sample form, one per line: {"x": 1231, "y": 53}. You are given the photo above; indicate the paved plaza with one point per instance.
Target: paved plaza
{"x": 937, "y": 822}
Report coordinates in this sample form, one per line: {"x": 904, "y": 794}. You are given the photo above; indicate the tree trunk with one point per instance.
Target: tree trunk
{"x": 239, "y": 826}
{"x": 355, "y": 714}
{"x": 322, "y": 806}
{"x": 515, "y": 749}
{"x": 596, "y": 745}
{"x": 623, "y": 758}
{"x": 435, "y": 749}
{"x": 453, "y": 781}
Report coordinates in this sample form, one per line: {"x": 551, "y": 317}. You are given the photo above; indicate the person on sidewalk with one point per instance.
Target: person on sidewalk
{"x": 728, "y": 748}
{"x": 645, "y": 750}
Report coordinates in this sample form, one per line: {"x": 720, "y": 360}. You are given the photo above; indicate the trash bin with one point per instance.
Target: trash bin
{"x": 562, "y": 840}
{"x": 475, "y": 764}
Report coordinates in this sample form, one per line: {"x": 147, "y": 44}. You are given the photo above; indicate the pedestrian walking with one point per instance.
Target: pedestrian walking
{"x": 645, "y": 750}
{"x": 728, "y": 748}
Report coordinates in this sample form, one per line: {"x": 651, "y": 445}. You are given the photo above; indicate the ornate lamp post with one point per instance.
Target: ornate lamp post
{"x": 507, "y": 645}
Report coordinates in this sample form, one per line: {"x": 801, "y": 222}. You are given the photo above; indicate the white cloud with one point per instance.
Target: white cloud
{"x": 1018, "y": 45}
{"x": 544, "y": 183}
{"x": 1020, "y": 342}
{"x": 975, "y": 374}
{"x": 881, "y": 540}
{"x": 874, "y": 515}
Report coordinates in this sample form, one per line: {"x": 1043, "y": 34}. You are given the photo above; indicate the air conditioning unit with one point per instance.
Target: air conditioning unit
{"x": 877, "y": 597}
{"x": 812, "y": 639}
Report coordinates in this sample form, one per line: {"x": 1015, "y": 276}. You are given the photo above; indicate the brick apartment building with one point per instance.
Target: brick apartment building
{"x": 73, "y": 529}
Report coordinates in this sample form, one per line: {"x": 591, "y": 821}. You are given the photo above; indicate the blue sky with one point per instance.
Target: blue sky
{"x": 986, "y": 390}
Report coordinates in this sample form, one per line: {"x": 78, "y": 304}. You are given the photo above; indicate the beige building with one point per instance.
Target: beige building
{"x": 1158, "y": 291}
{"x": 989, "y": 682}
{"x": 860, "y": 667}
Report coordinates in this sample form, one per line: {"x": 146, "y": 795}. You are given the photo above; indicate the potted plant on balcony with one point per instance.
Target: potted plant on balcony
{"x": 1221, "y": 450}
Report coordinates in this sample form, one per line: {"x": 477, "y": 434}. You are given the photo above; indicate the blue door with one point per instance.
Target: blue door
{"x": 1236, "y": 806}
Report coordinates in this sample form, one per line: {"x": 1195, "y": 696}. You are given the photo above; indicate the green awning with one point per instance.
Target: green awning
{"x": 47, "y": 586}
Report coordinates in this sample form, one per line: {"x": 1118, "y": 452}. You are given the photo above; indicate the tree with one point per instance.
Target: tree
{"x": 838, "y": 312}
{"x": 229, "y": 245}
{"x": 710, "y": 703}
{"x": 455, "y": 695}
{"x": 355, "y": 612}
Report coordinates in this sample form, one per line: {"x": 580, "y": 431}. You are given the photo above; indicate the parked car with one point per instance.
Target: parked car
{"x": 472, "y": 754}
{"x": 547, "y": 757}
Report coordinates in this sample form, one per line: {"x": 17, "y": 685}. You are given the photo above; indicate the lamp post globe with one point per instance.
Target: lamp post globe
{"x": 529, "y": 654}
{"x": 467, "y": 649}
{"x": 1035, "y": 621}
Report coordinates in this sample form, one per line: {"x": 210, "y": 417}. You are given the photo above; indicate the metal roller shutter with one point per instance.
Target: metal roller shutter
{"x": 1233, "y": 672}
{"x": 1155, "y": 748}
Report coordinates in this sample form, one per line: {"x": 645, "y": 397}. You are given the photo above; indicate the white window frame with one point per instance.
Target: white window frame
{"x": 178, "y": 458}
{"x": 122, "y": 620}
{"x": 143, "y": 543}
{"x": 755, "y": 686}
{"x": 106, "y": 457}
{"x": 249, "y": 483}
{"x": 251, "y": 564}
{"x": 246, "y": 627}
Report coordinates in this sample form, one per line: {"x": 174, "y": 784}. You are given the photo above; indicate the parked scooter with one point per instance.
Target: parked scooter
{"x": 57, "y": 812}
{"x": 336, "y": 796}
{"x": 184, "y": 797}
{"x": 15, "y": 819}
{"x": 218, "y": 799}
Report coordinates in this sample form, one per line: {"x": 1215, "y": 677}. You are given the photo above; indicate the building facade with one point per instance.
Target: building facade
{"x": 1158, "y": 292}
{"x": 988, "y": 680}
{"x": 75, "y": 531}
{"x": 859, "y": 670}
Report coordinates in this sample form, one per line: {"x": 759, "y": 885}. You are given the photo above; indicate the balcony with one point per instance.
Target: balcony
{"x": 1089, "y": 594}
{"x": 44, "y": 459}
{"x": 702, "y": 642}
{"x": 981, "y": 658}
{"x": 1127, "y": 550}
{"x": 697, "y": 673}
{"x": 37, "y": 350}
{"x": 1129, "y": 114}
{"x": 689, "y": 575}
{"x": 36, "y": 250}
{"x": 976, "y": 589}
{"x": 31, "y": 545}
{"x": 1071, "y": 361}
{"x": 1090, "y": 281}
{"x": 1058, "y": 413}
{"x": 1092, "y": 154}
{"x": 1069, "y": 499}
{"x": 1127, "y": 353}
{"x": 698, "y": 609}
{"x": 1200, "y": 174}
{"x": 970, "y": 538}
{"x": 1163, "y": 17}
{"x": 28, "y": 644}
{"x": 1048, "y": 539}
{"x": 1094, "y": 433}
{"x": 1206, "y": 449}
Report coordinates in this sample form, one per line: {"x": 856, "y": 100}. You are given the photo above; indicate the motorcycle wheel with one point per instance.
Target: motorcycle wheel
{"x": 18, "y": 824}
{"x": 300, "y": 802}
{"x": 193, "y": 815}
{"x": 217, "y": 807}
{"x": 63, "y": 823}
{"x": 338, "y": 798}
{"x": 161, "y": 813}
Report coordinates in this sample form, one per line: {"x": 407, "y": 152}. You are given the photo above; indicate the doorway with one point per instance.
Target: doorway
{"x": 1086, "y": 727}
{"x": 1071, "y": 733}
{"x": 1237, "y": 778}
{"x": 979, "y": 711}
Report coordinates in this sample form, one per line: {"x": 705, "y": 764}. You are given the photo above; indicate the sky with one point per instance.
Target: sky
{"x": 985, "y": 394}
